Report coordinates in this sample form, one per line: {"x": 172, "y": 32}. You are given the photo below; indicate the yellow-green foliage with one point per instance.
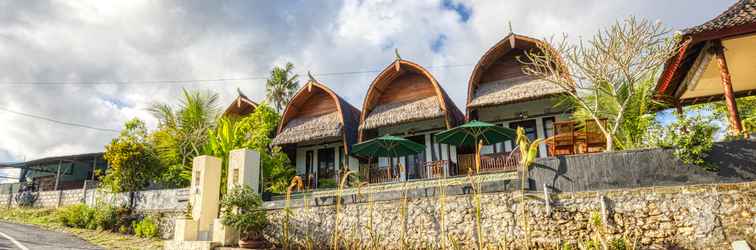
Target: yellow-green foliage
{"x": 78, "y": 216}
{"x": 146, "y": 228}
{"x": 105, "y": 217}
{"x": 31, "y": 216}
{"x": 252, "y": 132}
{"x": 132, "y": 161}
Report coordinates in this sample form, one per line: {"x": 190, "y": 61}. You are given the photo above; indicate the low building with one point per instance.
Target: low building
{"x": 62, "y": 172}
{"x": 241, "y": 106}
{"x": 500, "y": 92}
{"x": 317, "y": 131}
{"x": 406, "y": 100}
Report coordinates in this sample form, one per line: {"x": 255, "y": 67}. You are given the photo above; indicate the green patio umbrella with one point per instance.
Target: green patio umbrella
{"x": 387, "y": 146}
{"x": 476, "y": 133}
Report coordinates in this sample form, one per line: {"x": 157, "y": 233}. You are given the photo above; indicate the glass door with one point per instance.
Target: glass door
{"x": 416, "y": 163}
{"x": 309, "y": 177}
{"x": 326, "y": 168}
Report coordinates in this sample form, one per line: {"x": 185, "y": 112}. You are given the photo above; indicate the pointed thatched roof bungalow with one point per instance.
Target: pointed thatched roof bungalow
{"x": 241, "y": 106}
{"x": 499, "y": 92}
{"x": 317, "y": 129}
{"x": 406, "y": 100}
{"x": 716, "y": 61}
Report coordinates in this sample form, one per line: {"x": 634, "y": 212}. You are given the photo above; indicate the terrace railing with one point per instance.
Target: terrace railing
{"x": 376, "y": 174}
{"x": 499, "y": 162}
{"x": 435, "y": 169}
{"x": 427, "y": 170}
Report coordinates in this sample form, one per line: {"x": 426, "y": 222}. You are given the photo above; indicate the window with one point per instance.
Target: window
{"x": 529, "y": 126}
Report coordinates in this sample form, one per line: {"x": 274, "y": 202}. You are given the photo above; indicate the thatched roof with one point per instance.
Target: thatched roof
{"x": 742, "y": 12}
{"x": 394, "y": 113}
{"x": 424, "y": 100}
{"x": 513, "y": 90}
{"x": 302, "y": 129}
{"x": 297, "y": 126}
{"x": 739, "y": 19}
{"x": 241, "y": 106}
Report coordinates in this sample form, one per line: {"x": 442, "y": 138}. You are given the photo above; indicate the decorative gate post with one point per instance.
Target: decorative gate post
{"x": 204, "y": 195}
{"x": 243, "y": 170}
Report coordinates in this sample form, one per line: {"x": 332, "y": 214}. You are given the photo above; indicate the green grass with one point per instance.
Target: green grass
{"x": 45, "y": 218}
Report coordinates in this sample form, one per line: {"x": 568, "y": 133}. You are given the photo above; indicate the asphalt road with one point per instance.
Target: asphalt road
{"x": 25, "y": 237}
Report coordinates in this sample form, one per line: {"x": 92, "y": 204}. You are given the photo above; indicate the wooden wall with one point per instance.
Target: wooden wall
{"x": 409, "y": 86}
{"x": 317, "y": 103}
{"x": 505, "y": 67}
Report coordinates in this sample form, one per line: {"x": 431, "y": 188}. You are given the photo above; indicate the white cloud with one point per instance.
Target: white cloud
{"x": 148, "y": 40}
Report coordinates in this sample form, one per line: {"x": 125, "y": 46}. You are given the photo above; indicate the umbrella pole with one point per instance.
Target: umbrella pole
{"x": 477, "y": 157}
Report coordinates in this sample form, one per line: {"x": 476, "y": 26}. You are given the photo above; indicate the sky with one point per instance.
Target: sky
{"x": 52, "y": 51}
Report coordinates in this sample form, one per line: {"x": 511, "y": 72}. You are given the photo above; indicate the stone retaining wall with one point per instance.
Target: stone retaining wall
{"x": 700, "y": 216}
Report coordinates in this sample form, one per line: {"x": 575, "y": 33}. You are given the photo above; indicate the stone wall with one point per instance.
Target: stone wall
{"x": 165, "y": 200}
{"x": 699, "y": 216}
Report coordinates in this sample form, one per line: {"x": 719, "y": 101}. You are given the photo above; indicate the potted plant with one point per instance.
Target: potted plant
{"x": 242, "y": 210}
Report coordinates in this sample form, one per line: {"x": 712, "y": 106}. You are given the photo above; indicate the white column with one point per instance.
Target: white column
{"x": 300, "y": 161}
{"x": 315, "y": 165}
{"x": 508, "y": 144}
{"x": 539, "y": 134}
{"x": 337, "y": 162}
{"x": 428, "y": 156}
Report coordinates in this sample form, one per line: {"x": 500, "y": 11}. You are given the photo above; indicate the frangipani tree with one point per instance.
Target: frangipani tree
{"x": 608, "y": 66}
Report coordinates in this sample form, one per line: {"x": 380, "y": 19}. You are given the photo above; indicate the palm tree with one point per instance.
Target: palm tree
{"x": 281, "y": 86}
{"x": 182, "y": 132}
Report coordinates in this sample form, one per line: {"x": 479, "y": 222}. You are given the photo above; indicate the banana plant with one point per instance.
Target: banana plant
{"x": 528, "y": 154}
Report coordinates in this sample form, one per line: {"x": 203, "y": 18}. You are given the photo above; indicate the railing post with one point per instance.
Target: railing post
{"x": 445, "y": 167}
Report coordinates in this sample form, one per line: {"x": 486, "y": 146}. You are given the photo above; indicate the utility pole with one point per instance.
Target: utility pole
{"x": 57, "y": 176}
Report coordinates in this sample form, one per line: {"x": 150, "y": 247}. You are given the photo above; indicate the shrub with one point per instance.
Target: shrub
{"x": 146, "y": 228}
{"x": 78, "y": 216}
{"x": 242, "y": 210}
{"x": 105, "y": 217}
{"x": 692, "y": 139}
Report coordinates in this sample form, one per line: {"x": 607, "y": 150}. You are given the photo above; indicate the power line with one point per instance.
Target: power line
{"x": 204, "y": 81}
{"x": 73, "y": 124}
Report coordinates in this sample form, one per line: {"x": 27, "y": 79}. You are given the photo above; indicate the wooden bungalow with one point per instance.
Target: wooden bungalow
{"x": 241, "y": 106}
{"x": 317, "y": 131}
{"x": 716, "y": 61}
{"x": 499, "y": 92}
{"x": 406, "y": 100}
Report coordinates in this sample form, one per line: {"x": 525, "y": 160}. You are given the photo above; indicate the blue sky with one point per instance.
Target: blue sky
{"x": 95, "y": 41}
